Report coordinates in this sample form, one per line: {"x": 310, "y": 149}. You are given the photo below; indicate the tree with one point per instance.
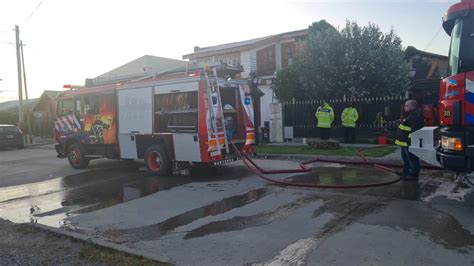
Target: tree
{"x": 356, "y": 61}
{"x": 287, "y": 84}
{"x": 8, "y": 118}
{"x": 322, "y": 61}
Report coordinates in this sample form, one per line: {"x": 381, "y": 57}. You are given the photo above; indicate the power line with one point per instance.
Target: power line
{"x": 32, "y": 13}
{"x": 11, "y": 43}
{"x": 6, "y": 31}
{"x": 432, "y": 39}
{"x": 7, "y": 42}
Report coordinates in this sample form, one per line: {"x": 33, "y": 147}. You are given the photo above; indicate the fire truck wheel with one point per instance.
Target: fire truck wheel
{"x": 76, "y": 156}
{"x": 157, "y": 161}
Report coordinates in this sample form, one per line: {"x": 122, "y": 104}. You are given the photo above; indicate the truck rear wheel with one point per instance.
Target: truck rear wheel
{"x": 157, "y": 161}
{"x": 76, "y": 156}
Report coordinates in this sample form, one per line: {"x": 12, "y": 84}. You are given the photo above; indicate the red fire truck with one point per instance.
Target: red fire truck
{"x": 172, "y": 121}
{"x": 456, "y": 151}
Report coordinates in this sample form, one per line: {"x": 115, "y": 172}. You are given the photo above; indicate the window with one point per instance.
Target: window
{"x": 91, "y": 104}
{"x": 176, "y": 112}
{"x": 9, "y": 130}
{"x": 288, "y": 51}
{"x": 78, "y": 107}
{"x": 461, "y": 54}
{"x": 266, "y": 61}
{"x": 176, "y": 102}
{"x": 455, "y": 48}
{"x": 467, "y": 43}
{"x": 65, "y": 107}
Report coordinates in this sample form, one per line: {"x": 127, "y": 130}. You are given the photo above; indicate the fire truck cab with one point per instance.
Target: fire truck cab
{"x": 451, "y": 145}
{"x": 172, "y": 122}
{"x": 456, "y": 151}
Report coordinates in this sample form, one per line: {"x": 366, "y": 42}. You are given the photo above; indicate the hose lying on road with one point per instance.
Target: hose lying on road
{"x": 304, "y": 169}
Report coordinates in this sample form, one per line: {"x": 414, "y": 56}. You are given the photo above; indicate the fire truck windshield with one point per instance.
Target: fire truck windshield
{"x": 454, "y": 50}
{"x": 461, "y": 54}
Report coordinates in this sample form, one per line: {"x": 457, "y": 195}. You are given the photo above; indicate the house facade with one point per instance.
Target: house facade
{"x": 260, "y": 58}
{"x": 426, "y": 71}
{"x": 44, "y": 114}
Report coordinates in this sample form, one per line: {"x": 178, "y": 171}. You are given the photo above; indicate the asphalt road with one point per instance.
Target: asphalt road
{"x": 233, "y": 217}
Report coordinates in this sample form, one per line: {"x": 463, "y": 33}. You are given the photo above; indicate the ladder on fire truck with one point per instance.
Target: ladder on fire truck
{"x": 215, "y": 116}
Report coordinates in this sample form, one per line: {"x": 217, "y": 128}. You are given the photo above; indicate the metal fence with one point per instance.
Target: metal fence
{"x": 377, "y": 116}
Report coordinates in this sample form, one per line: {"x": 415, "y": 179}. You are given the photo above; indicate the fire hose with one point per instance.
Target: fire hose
{"x": 304, "y": 169}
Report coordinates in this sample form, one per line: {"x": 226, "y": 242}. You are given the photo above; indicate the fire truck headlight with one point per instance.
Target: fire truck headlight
{"x": 450, "y": 143}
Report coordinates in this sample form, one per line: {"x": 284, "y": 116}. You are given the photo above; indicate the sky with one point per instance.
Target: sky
{"x": 67, "y": 41}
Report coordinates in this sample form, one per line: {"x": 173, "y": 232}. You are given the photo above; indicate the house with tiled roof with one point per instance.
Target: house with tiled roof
{"x": 260, "y": 58}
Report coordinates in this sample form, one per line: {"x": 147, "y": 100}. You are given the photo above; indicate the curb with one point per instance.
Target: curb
{"x": 94, "y": 241}
{"x": 38, "y": 145}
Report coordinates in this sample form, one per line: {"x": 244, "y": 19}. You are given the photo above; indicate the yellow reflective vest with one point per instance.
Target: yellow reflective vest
{"x": 349, "y": 117}
{"x": 325, "y": 116}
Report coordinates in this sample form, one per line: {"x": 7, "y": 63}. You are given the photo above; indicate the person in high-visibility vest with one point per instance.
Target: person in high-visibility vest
{"x": 411, "y": 122}
{"x": 325, "y": 117}
{"x": 349, "y": 118}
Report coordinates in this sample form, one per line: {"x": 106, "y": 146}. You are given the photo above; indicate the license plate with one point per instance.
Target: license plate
{"x": 10, "y": 136}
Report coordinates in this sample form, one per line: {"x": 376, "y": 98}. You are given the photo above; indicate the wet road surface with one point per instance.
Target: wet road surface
{"x": 232, "y": 217}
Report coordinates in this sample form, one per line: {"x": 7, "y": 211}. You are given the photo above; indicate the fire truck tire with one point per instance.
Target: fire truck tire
{"x": 77, "y": 156}
{"x": 157, "y": 161}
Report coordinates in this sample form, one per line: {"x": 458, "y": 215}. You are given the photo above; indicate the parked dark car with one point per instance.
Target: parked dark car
{"x": 11, "y": 136}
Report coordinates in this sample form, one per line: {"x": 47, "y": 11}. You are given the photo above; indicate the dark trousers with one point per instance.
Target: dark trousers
{"x": 411, "y": 163}
{"x": 349, "y": 134}
{"x": 324, "y": 132}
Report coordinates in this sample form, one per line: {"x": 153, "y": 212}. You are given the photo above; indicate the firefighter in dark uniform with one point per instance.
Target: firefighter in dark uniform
{"x": 412, "y": 121}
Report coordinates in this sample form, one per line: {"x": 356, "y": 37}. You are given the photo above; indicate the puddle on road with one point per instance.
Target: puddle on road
{"x": 430, "y": 181}
{"x": 155, "y": 231}
{"x": 239, "y": 223}
{"x": 51, "y": 201}
{"x": 350, "y": 175}
{"x": 425, "y": 220}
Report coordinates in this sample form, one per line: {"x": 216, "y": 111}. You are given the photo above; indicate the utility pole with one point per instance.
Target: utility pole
{"x": 26, "y": 93}
{"x": 20, "y": 89}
